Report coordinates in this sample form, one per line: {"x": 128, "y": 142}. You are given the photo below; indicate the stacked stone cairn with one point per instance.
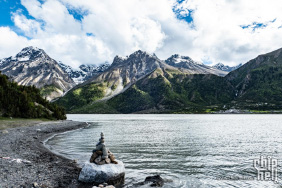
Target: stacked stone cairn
{"x": 101, "y": 155}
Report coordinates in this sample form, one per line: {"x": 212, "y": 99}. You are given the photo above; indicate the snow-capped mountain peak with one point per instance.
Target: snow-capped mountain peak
{"x": 118, "y": 60}
{"x": 193, "y": 66}
{"x": 84, "y": 72}
{"x": 221, "y": 66}
{"x": 176, "y": 58}
{"x": 28, "y": 50}
{"x": 27, "y": 54}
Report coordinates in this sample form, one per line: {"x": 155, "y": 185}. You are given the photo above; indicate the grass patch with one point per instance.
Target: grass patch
{"x": 77, "y": 91}
{"x": 47, "y": 90}
{"x": 6, "y": 123}
{"x": 261, "y": 111}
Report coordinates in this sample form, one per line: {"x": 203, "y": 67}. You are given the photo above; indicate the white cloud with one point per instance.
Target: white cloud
{"x": 220, "y": 35}
{"x": 126, "y": 26}
{"x": 10, "y": 42}
{"x": 73, "y": 49}
{"x": 121, "y": 27}
{"x": 28, "y": 26}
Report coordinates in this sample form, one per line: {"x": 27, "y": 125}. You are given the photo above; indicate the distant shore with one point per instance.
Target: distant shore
{"x": 25, "y": 162}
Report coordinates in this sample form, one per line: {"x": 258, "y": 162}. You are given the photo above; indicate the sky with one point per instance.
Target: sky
{"x": 94, "y": 31}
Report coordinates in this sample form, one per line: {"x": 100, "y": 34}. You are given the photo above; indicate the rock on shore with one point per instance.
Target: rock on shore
{"x": 112, "y": 174}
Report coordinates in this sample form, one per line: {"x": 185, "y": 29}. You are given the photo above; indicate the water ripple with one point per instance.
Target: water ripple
{"x": 189, "y": 150}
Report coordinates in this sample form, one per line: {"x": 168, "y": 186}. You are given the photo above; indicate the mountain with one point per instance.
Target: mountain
{"x": 122, "y": 73}
{"x": 84, "y": 72}
{"x": 32, "y": 66}
{"x": 25, "y": 102}
{"x": 193, "y": 66}
{"x": 161, "y": 91}
{"x": 226, "y": 68}
{"x": 167, "y": 92}
{"x": 258, "y": 82}
{"x": 124, "y": 78}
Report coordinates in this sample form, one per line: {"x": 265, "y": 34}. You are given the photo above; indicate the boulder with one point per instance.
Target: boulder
{"x": 156, "y": 181}
{"x": 113, "y": 174}
{"x": 152, "y": 181}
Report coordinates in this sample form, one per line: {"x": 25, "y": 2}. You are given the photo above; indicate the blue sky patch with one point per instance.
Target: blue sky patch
{"x": 90, "y": 34}
{"x": 6, "y": 7}
{"x": 256, "y": 25}
{"x": 180, "y": 1}
{"x": 77, "y": 13}
{"x": 207, "y": 61}
{"x": 188, "y": 18}
{"x": 183, "y": 14}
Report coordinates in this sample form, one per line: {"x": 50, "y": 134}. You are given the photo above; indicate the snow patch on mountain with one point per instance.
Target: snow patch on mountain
{"x": 194, "y": 67}
{"x": 182, "y": 59}
{"x": 25, "y": 58}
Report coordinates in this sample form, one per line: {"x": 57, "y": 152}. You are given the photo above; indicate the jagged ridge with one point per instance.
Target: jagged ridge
{"x": 193, "y": 66}
{"x": 85, "y": 72}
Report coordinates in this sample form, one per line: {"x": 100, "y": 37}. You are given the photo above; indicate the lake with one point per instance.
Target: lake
{"x": 187, "y": 150}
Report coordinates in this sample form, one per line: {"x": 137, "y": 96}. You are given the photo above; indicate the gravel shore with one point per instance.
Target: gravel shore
{"x": 25, "y": 162}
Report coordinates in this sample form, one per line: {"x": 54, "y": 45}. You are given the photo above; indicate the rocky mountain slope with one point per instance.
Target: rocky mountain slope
{"x": 193, "y": 66}
{"x": 32, "y": 66}
{"x": 84, "y": 72}
{"x": 124, "y": 72}
{"x": 226, "y": 68}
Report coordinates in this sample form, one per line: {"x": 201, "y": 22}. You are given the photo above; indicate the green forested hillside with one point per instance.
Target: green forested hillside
{"x": 79, "y": 97}
{"x": 162, "y": 91}
{"x": 168, "y": 92}
{"x": 25, "y": 102}
{"x": 258, "y": 83}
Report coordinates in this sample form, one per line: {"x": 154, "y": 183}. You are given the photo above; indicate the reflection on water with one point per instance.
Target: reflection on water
{"x": 190, "y": 150}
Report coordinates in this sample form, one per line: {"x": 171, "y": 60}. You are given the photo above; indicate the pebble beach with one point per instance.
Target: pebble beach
{"x": 26, "y": 162}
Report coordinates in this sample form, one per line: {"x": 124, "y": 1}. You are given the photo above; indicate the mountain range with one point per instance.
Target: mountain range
{"x": 32, "y": 66}
{"x": 124, "y": 72}
{"x": 143, "y": 83}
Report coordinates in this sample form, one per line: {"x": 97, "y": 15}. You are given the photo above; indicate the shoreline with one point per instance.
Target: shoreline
{"x": 25, "y": 161}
